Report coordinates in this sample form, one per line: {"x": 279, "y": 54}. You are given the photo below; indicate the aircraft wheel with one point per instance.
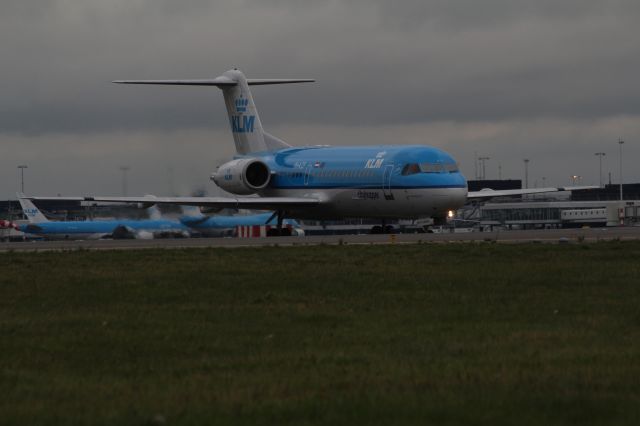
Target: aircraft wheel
{"x": 439, "y": 221}
{"x": 285, "y": 232}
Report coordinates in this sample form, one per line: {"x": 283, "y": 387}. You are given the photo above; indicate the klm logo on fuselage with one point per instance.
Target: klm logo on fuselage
{"x": 374, "y": 163}
{"x": 242, "y": 123}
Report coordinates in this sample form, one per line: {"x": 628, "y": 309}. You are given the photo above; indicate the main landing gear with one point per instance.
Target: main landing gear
{"x": 439, "y": 221}
{"x": 278, "y": 231}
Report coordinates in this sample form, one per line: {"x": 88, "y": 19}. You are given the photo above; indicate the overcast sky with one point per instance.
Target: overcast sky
{"x": 552, "y": 80}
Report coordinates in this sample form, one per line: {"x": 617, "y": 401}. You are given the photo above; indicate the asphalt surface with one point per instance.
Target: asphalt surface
{"x": 548, "y": 236}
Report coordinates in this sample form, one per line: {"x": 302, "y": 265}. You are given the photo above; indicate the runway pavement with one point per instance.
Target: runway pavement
{"x": 548, "y": 236}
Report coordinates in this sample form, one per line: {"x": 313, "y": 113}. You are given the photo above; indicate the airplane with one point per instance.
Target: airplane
{"x": 226, "y": 225}
{"x": 41, "y": 227}
{"x": 322, "y": 182}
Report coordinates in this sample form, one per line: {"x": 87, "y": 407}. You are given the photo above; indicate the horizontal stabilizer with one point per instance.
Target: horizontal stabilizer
{"x": 218, "y": 81}
{"x": 263, "y": 81}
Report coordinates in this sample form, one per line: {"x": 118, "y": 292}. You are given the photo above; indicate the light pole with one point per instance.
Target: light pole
{"x": 526, "y": 173}
{"x": 22, "y": 167}
{"x": 600, "y": 155}
{"x": 475, "y": 165}
{"x": 620, "y": 142}
{"x": 484, "y": 170}
{"x": 124, "y": 170}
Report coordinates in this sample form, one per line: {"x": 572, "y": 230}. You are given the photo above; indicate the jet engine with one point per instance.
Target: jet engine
{"x": 243, "y": 176}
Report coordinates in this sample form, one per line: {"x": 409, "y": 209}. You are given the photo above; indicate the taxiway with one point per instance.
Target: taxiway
{"x": 548, "y": 236}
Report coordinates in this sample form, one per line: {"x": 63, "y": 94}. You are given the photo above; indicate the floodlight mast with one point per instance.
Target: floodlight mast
{"x": 22, "y": 167}
{"x": 621, "y": 142}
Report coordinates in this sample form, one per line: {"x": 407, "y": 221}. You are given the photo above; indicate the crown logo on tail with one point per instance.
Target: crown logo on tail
{"x": 241, "y": 104}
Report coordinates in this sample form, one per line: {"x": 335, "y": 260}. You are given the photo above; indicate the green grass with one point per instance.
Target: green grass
{"x": 421, "y": 334}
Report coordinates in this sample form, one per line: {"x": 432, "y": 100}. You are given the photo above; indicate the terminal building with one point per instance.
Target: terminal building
{"x": 592, "y": 207}
{"x": 558, "y": 214}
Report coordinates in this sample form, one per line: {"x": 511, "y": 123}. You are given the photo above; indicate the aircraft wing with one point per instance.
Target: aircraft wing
{"x": 490, "y": 193}
{"x": 257, "y": 203}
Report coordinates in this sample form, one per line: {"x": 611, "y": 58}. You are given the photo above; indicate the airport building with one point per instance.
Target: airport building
{"x": 592, "y": 207}
{"x": 558, "y": 214}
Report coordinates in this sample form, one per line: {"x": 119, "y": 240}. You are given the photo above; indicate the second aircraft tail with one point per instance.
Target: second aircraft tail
{"x": 31, "y": 211}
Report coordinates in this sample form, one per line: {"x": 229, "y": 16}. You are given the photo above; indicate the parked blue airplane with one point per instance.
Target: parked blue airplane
{"x": 226, "y": 225}
{"x": 41, "y": 227}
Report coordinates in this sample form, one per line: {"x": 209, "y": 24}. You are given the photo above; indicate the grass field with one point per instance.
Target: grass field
{"x": 422, "y": 334}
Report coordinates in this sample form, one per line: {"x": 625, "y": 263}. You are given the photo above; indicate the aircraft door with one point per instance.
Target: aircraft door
{"x": 306, "y": 176}
{"x": 386, "y": 182}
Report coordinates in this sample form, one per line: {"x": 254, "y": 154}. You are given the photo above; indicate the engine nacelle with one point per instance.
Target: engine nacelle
{"x": 243, "y": 176}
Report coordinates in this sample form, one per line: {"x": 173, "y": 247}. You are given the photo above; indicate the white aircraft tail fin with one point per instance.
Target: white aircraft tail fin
{"x": 154, "y": 212}
{"x": 246, "y": 126}
{"x": 31, "y": 211}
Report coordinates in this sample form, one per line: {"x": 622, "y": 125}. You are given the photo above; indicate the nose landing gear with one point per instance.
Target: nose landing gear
{"x": 382, "y": 229}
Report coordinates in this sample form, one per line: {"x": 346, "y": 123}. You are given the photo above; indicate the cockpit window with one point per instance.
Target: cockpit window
{"x": 414, "y": 168}
{"x": 439, "y": 167}
{"x": 410, "y": 169}
{"x": 451, "y": 167}
{"x": 431, "y": 167}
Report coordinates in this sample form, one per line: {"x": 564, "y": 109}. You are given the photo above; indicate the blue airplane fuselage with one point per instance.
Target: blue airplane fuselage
{"x": 223, "y": 225}
{"x": 373, "y": 181}
{"x": 94, "y": 229}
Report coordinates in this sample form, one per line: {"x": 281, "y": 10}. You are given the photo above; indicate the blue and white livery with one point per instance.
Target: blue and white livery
{"x": 322, "y": 182}
{"x": 41, "y": 227}
{"x": 227, "y": 225}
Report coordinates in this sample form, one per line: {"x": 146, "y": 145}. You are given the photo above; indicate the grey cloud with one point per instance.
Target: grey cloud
{"x": 379, "y": 65}
{"x": 549, "y": 58}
